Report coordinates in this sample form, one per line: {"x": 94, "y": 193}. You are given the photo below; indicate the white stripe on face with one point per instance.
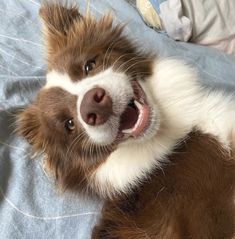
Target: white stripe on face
{"x": 115, "y": 84}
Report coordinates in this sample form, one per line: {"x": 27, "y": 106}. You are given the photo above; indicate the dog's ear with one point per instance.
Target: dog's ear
{"x": 28, "y": 126}
{"x": 57, "y": 21}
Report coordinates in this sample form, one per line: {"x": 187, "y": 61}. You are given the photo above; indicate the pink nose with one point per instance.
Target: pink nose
{"x": 96, "y": 107}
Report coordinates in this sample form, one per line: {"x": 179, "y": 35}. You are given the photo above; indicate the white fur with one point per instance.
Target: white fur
{"x": 62, "y": 80}
{"x": 183, "y": 104}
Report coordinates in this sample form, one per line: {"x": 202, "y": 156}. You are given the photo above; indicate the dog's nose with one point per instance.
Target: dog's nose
{"x": 96, "y": 107}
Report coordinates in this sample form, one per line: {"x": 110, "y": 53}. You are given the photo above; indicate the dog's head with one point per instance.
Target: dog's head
{"x": 94, "y": 101}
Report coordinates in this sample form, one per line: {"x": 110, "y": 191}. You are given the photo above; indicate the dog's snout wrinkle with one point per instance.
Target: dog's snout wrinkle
{"x": 96, "y": 107}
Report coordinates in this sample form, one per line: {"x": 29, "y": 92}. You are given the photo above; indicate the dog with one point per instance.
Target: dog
{"x": 140, "y": 132}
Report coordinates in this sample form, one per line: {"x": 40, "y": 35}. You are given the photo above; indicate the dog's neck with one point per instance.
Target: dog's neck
{"x": 133, "y": 162}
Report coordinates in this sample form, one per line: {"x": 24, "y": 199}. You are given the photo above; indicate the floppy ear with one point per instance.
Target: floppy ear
{"x": 28, "y": 126}
{"x": 57, "y": 20}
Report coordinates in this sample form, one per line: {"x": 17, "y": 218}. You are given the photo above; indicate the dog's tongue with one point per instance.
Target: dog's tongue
{"x": 128, "y": 118}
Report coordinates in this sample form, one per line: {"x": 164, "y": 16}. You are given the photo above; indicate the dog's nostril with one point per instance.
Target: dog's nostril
{"x": 99, "y": 95}
{"x": 91, "y": 119}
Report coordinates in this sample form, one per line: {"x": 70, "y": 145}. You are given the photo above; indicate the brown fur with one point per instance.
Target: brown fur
{"x": 72, "y": 40}
{"x": 68, "y": 154}
{"x": 191, "y": 197}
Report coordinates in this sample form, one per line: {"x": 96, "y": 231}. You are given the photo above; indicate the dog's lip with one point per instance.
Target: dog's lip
{"x": 136, "y": 118}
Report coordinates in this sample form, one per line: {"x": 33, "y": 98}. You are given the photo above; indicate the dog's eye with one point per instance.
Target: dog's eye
{"x": 89, "y": 66}
{"x": 69, "y": 125}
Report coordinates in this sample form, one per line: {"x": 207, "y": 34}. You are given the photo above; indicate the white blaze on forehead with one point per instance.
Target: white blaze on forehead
{"x": 116, "y": 84}
{"x": 117, "y": 87}
{"x": 62, "y": 80}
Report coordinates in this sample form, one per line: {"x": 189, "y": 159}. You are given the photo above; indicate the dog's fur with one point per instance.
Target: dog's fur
{"x": 191, "y": 198}
{"x": 124, "y": 169}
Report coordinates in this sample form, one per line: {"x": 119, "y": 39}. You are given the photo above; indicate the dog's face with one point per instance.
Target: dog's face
{"x": 94, "y": 98}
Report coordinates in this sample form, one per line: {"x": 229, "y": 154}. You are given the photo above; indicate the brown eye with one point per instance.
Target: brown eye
{"x": 69, "y": 125}
{"x": 89, "y": 66}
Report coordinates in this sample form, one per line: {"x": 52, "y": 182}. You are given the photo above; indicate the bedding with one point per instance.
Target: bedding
{"x": 31, "y": 206}
{"x": 209, "y": 23}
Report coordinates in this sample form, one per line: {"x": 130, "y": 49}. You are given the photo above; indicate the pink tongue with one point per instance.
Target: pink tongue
{"x": 143, "y": 123}
{"x": 128, "y": 118}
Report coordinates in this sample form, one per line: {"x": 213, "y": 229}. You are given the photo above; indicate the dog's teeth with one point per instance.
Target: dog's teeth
{"x": 138, "y": 105}
{"x": 127, "y": 131}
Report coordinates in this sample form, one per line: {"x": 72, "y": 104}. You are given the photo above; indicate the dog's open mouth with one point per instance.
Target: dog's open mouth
{"x": 135, "y": 120}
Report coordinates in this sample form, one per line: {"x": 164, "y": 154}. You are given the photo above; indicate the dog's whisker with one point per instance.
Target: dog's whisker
{"x": 126, "y": 62}
{"x": 134, "y": 64}
{"x": 79, "y": 137}
{"x": 119, "y": 58}
{"x": 110, "y": 48}
{"x": 14, "y": 147}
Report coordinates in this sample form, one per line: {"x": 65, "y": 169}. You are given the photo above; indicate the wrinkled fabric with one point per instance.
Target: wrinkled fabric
{"x": 210, "y": 23}
{"x": 213, "y": 23}
{"x": 30, "y": 204}
{"x": 167, "y": 15}
{"x": 176, "y": 24}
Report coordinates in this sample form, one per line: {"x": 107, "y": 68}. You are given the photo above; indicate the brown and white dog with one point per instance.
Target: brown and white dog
{"x": 118, "y": 123}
